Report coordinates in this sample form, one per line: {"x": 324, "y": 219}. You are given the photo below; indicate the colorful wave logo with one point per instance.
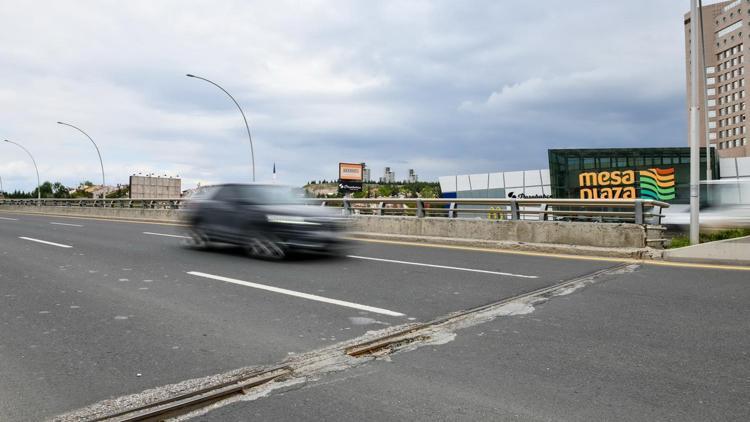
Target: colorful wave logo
{"x": 657, "y": 184}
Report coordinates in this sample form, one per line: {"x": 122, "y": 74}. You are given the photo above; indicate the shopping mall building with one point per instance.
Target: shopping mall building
{"x": 627, "y": 173}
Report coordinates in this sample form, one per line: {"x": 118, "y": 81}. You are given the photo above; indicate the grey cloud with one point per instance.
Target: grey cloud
{"x": 442, "y": 87}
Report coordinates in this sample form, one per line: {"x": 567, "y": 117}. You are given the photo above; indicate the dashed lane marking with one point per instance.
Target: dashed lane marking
{"x": 167, "y": 235}
{"x": 65, "y": 224}
{"x": 59, "y": 245}
{"x": 299, "y": 294}
{"x": 9, "y": 219}
{"x": 473, "y": 270}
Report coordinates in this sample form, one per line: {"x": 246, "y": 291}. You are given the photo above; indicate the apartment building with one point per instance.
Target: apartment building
{"x": 722, "y": 90}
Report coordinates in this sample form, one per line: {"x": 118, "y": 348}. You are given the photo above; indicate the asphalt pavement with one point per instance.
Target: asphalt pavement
{"x": 649, "y": 344}
{"x": 95, "y": 309}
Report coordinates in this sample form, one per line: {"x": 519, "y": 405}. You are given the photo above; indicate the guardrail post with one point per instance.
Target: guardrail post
{"x": 638, "y": 211}
{"x": 347, "y": 207}
{"x": 420, "y": 208}
{"x": 452, "y": 210}
{"x": 381, "y": 208}
{"x": 543, "y": 215}
{"x": 514, "y": 214}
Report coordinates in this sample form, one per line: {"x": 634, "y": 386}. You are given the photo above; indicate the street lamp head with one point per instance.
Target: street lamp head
{"x": 60, "y": 123}
{"x": 190, "y": 75}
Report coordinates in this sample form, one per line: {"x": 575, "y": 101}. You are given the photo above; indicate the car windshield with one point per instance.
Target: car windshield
{"x": 268, "y": 195}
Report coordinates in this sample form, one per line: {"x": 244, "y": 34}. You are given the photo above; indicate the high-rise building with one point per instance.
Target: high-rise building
{"x": 365, "y": 173}
{"x": 723, "y": 101}
{"x": 388, "y": 176}
{"x": 412, "y": 178}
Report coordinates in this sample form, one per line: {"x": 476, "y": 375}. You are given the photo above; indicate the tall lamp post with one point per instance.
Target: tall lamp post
{"x": 252, "y": 153}
{"x": 38, "y": 182}
{"x": 694, "y": 137}
{"x": 101, "y": 163}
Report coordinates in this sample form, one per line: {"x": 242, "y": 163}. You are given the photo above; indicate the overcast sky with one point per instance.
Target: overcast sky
{"x": 442, "y": 87}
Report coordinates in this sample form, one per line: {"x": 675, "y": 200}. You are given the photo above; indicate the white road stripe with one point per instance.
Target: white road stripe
{"x": 66, "y": 224}
{"x": 45, "y": 242}
{"x": 393, "y": 261}
{"x": 298, "y": 294}
{"x": 167, "y": 235}
{"x": 9, "y": 219}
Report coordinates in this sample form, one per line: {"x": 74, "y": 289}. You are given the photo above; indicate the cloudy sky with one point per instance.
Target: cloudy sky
{"x": 443, "y": 87}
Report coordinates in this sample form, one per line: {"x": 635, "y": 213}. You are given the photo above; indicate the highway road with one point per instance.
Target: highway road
{"x": 96, "y": 309}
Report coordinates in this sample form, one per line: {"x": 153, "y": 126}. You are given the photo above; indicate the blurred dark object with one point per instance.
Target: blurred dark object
{"x": 269, "y": 221}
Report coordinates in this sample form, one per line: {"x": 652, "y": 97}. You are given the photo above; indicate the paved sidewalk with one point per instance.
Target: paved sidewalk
{"x": 730, "y": 251}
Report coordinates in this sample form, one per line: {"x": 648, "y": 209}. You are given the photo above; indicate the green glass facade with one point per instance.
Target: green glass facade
{"x": 658, "y": 173}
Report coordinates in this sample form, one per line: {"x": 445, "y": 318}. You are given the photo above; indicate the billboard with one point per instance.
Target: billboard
{"x": 653, "y": 183}
{"x": 350, "y": 172}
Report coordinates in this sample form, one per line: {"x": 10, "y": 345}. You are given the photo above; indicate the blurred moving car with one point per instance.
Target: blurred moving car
{"x": 725, "y": 204}
{"x": 269, "y": 221}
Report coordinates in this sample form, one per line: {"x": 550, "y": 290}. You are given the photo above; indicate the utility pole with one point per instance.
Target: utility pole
{"x": 694, "y": 135}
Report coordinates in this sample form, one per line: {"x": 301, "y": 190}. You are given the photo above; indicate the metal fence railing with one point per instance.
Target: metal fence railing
{"x": 635, "y": 211}
{"x": 603, "y": 210}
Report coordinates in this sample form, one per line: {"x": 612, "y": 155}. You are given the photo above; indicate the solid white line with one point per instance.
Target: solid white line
{"x": 45, "y": 242}
{"x": 66, "y": 224}
{"x": 9, "y": 219}
{"x": 441, "y": 266}
{"x": 298, "y": 294}
{"x": 166, "y": 235}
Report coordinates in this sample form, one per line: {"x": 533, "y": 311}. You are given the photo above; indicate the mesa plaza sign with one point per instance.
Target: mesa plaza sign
{"x": 655, "y": 183}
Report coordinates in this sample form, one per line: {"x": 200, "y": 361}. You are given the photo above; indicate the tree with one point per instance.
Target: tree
{"x": 60, "y": 191}
{"x": 428, "y": 192}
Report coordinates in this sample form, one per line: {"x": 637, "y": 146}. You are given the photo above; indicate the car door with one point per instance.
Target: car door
{"x": 220, "y": 210}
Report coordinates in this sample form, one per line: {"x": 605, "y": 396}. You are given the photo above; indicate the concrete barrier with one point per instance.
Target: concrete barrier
{"x": 145, "y": 214}
{"x": 602, "y": 235}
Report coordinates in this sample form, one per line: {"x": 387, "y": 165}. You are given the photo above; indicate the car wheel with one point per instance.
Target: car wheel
{"x": 196, "y": 238}
{"x": 266, "y": 248}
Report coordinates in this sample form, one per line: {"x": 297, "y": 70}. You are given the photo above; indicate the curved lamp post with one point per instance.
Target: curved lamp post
{"x": 38, "y": 183}
{"x": 101, "y": 163}
{"x": 252, "y": 153}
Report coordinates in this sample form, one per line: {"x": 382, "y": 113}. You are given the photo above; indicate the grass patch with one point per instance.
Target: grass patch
{"x": 681, "y": 241}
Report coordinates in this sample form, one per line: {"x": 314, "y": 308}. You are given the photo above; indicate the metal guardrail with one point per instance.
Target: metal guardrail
{"x": 639, "y": 211}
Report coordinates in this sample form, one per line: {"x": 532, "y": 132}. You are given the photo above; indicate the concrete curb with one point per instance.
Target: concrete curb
{"x": 591, "y": 251}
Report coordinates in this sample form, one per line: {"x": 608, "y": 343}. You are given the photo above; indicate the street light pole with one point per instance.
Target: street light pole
{"x": 38, "y": 182}
{"x": 694, "y": 137}
{"x": 252, "y": 152}
{"x": 101, "y": 163}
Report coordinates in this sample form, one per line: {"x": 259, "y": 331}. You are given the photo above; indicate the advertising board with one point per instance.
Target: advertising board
{"x": 350, "y": 172}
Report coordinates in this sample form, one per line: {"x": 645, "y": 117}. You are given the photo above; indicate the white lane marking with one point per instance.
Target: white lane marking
{"x": 45, "y": 242}
{"x": 9, "y": 219}
{"x": 393, "y": 261}
{"x": 167, "y": 235}
{"x": 298, "y": 294}
{"x": 66, "y": 224}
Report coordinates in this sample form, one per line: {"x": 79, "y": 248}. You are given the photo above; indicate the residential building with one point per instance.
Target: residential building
{"x": 722, "y": 88}
{"x": 365, "y": 173}
{"x": 388, "y": 176}
{"x": 412, "y": 178}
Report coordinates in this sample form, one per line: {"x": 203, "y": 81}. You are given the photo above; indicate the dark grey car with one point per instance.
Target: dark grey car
{"x": 267, "y": 220}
